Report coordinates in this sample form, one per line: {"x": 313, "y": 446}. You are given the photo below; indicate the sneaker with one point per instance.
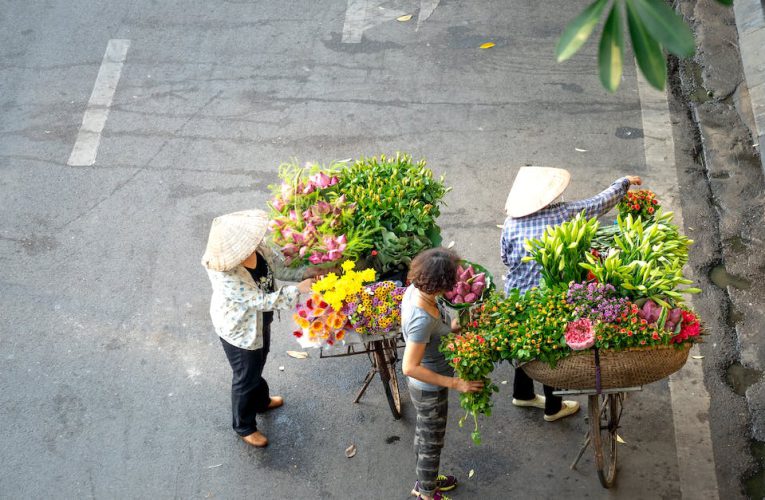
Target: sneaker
{"x": 537, "y": 402}
{"x": 567, "y": 408}
{"x": 443, "y": 483}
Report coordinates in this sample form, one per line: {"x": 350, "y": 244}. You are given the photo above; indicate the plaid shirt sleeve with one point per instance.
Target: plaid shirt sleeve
{"x": 602, "y": 202}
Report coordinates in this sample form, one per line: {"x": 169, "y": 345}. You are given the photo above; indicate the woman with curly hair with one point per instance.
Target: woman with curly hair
{"x": 423, "y": 323}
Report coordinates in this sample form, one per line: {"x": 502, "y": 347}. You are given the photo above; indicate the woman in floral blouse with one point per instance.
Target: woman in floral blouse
{"x": 241, "y": 268}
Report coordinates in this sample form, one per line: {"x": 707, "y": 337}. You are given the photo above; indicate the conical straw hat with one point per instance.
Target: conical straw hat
{"x": 534, "y": 188}
{"x": 233, "y": 238}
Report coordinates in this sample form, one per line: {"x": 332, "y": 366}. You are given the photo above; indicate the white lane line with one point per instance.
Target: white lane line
{"x": 360, "y": 15}
{"x": 689, "y": 396}
{"x": 427, "y": 7}
{"x": 86, "y": 147}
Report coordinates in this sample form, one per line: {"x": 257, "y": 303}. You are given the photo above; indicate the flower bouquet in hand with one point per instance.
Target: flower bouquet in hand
{"x": 472, "y": 356}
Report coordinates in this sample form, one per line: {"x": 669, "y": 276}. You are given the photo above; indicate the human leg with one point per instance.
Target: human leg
{"x": 249, "y": 390}
{"x": 552, "y": 402}
{"x": 523, "y": 386}
{"x": 430, "y": 430}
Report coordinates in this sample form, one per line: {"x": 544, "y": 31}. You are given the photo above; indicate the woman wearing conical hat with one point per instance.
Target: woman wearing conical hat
{"x": 534, "y": 204}
{"x": 241, "y": 268}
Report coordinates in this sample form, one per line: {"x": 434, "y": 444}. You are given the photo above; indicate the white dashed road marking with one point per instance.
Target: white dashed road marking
{"x": 86, "y": 147}
{"x": 360, "y": 15}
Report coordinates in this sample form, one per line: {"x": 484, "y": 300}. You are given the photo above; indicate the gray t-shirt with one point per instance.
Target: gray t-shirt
{"x": 419, "y": 327}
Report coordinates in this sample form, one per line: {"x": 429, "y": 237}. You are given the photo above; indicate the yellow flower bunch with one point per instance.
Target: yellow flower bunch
{"x": 335, "y": 289}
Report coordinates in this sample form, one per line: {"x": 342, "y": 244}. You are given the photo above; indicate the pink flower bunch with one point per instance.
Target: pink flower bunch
{"x": 303, "y": 235}
{"x": 316, "y": 182}
{"x": 333, "y": 248}
{"x": 580, "y": 334}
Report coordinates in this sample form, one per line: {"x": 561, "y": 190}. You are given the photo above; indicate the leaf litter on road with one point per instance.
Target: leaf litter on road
{"x": 487, "y": 45}
{"x": 404, "y": 19}
{"x": 297, "y": 354}
{"x": 350, "y": 451}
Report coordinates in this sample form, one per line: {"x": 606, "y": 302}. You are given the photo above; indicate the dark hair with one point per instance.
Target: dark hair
{"x": 434, "y": 270}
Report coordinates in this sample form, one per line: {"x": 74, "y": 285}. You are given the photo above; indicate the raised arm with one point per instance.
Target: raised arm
{"x": 604, "y": 201}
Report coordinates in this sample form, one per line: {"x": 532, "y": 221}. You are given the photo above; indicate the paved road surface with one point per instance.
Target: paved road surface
{"x": 112, "y": 383}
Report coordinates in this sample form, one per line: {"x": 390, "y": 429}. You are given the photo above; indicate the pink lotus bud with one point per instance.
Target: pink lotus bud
{"x": 298, "y": 238}
{"x": 278, "y": 204}
{"x": 293, "y": 215}
{"x": 334, "y": 180}
{"x": 321, "y": 180}
{"x": 309, "y": 229}
{"x": 322, "y": 208}
{"x": 290, "y": 250}
{"x": 315, "y": 258}
{"x": 333, "y": 255}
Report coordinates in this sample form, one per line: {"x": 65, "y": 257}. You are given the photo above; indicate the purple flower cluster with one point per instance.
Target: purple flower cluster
{"x": 596, "y": 301}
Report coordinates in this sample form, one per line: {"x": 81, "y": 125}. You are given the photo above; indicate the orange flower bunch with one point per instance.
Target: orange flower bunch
{"x": 318, "y": 322}
{"x": 641, "y": 203}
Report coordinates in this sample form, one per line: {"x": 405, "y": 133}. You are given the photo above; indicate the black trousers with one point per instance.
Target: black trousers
{"x": 249, "y": 390}
{"x": 523, "y": 388}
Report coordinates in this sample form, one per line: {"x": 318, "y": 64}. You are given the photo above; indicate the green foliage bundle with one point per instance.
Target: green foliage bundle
{"x": 560, "y": 250}
{"x": 399, "y": 201}
{"x": 646, "y": 260}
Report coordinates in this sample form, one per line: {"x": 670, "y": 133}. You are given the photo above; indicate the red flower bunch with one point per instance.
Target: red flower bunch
{"x": 690, "y": 328}
{"x": 641, "y": 203}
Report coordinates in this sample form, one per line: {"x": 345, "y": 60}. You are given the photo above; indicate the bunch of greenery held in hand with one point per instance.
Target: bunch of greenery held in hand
{"x": 471, "y": 354}
{"x": 398, "y": 200}
{"x": 646, "y": 260}
{"x": 560, "y": 250}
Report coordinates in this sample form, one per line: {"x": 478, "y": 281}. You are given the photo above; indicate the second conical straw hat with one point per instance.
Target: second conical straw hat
{"x": 534, "y": 188}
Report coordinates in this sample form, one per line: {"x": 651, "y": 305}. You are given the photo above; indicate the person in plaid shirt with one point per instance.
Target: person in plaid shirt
{"x": 532, "y": 205}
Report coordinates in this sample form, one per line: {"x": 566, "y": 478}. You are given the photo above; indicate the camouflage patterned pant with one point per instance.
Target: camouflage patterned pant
{"x": 432, "y": 407}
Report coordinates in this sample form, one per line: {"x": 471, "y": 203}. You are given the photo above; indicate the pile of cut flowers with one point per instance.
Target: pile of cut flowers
{"x": 349, "y": 303}
{"x": 627, "y": 295}
{"x": 379, "y": 210}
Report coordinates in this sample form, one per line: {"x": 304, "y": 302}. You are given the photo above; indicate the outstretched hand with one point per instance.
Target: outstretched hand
{"x": 305, "y": 285}
{"x": 467, "y": 385}
{"x": 635, "y": 180}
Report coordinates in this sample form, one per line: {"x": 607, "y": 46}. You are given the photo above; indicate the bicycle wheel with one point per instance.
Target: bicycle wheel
{"x": 604, "y": 424}
{"x": 386, "y": 357}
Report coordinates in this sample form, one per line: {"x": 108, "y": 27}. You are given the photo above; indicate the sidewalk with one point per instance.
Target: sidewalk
{"x": 750, "y": 21}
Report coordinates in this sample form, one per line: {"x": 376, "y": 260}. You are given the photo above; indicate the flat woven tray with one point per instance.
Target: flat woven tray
{"x": 626, "y": 368}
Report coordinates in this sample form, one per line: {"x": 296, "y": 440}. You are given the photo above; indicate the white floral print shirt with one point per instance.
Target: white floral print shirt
{"x": 238, "y": 302}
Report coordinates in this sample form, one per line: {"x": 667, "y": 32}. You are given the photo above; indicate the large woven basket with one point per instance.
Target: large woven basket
{"x": 626, "y": 368}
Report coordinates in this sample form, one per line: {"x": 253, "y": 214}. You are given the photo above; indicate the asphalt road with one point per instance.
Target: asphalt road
{"x": 112, "y": 383}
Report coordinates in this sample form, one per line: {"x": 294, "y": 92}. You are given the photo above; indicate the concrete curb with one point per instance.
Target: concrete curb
{"x": 750, "y": 21}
